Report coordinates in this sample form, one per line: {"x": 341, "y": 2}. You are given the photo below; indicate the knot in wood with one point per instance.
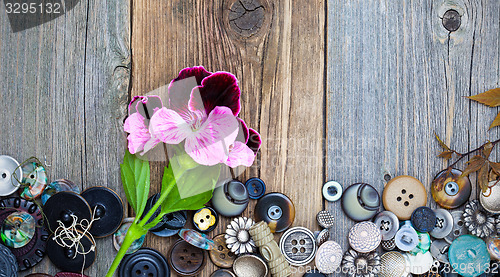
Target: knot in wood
{"x": 246, "y": 17}
{"x": 451, "y": 20}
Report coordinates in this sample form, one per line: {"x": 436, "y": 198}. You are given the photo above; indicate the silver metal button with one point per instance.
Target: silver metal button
{"x": 388, "y": 245}
{"x": 298, "y": 246}
{"x": 322, "y": 236}
{"x": 444, "y": 224}
{"x": 325, "y": 219}
{"x": 388, "y": 224}
{"x": 458, "y": 227}
{"x": 439, "y": 250}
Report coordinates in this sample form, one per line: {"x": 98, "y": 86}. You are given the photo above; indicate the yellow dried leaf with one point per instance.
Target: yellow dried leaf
{"x": 442, "y": 143}
{"x": 473, "y": 165}
{"x": 487, "y": 149}
{"x": 490, "y": 98}
{"x": 446, "y": 155}
{"x": 495, "y": 167}
{"x": 495, "y": 122}
{"x": 482, "y": 177}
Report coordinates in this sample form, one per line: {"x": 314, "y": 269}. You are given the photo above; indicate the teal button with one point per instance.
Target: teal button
{"x": 469, "y": 256}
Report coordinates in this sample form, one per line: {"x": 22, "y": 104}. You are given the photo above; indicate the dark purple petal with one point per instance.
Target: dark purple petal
{"x": 254, "y": 141}
{"x": 197, "y": 71}
{"x": 179, "y": 90}
{"x": 220, "y": 89}
{"x": 243, "y": 128}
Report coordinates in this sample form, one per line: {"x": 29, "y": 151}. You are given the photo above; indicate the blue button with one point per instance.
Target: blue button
{"x": 256, "y": 188}
{"x": 469, "y": 256}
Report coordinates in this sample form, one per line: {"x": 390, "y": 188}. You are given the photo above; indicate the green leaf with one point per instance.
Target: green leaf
{"x": 136, "y": 181}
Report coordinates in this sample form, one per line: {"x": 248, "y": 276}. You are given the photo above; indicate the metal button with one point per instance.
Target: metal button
{"x": 458, "y": 227}
{"x": 205, "y": 219}
{"x": 328, "y": 257}
{"x": 238, "y": 237}
{"x": 490, "y": 200}
{"x": 406, "y": 238}
{"x": 423, "y": 219}
{"x": 325, "y": 219}
{"x": 250, "y": 265}
{"x": 388, "y": 224}
{"x": 393, "y": 264}
{"x": 298, "y": 246}
{"x": 107, "y": 206}
{"x": 402, "y": 195}
{"x": 469, "y": 256}
{"x": 186, "y": 259}
{"x": 277, "y": 210}
{"x": 8, "y": 264}
{"x": 332, "y": 191}
{"x": 221, "y": 256}
{"x": 420, "y": 263}
{"x": 360, "y": 202}
{"x": 388, "y": 245}
{"x": 322, "y": 236}
{"x": 68, "y": 259}
{"x": 256, "y": 188}
{"x": 444, "y": 224}
{"x": 8, "y": 184}
{"x": 450, "y": 190}
{"x": 34, "y": 179}
{"x": 477, "y": 220}
{"x": 439, "y": 250}
{"x": 222, "y": 273}
{"x": 360, "y": 264}
{"x": 230, "y": 199}
{"x": 364, "y": 237}
{"x": 144, "y": 262}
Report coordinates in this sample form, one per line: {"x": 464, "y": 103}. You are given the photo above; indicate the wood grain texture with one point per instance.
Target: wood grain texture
{"x": 64, "y": 90}
{"x": 280, "y": 67}
{"x": 396, "y": 75}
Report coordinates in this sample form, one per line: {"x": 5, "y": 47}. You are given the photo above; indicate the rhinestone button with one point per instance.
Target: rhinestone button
{"x": 298, "y": 246}
{"x": 402, "y": 195}
{"x": 328, "y": 257}
{"x": 332, "y": 191}
{"x": 325, "y": 219}
{"x": 388, "y": 224}
{"x": 444, "y": 224}
{"x": 364, "y": 237}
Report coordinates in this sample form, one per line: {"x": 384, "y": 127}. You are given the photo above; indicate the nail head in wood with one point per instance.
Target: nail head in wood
{"x": 451, "y": 20}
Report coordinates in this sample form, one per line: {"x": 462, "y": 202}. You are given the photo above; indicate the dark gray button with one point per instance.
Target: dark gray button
{"x": 325, "y": 219}
{"x": 458, "y": 227}
{"x": 444, "y": 224}
{"x": 298, "y": 246}
{"x": 423, "y": 219}
{"x": 388, "y": 223}
{"x": 439, "y": 250}
{"x": 8, "y": 264}
{"x": 322, "y": 236}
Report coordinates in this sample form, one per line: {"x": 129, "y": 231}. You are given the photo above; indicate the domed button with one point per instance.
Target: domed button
{"x": 450, "y": 190}
{"x": 34, "y": 180}
{"x": 420, "y": 263}
{"x": 205, "y": 219}
{"x": 490, "y": 200}
{"x": 221, "y": 256}
{"x": 250, "y": 265}
{"x": 493, "y": 245}
{"x": 18, "y": 229}
{"x": 322, "y": 236}
{"x": 439, "y": 250}
{"x": 144, "y": 262}
{"x": 186, "y": 259}
{"x": 364, "y": 237}
{"x": 423, "y": 219}
{"x": 255, "y": 187}
{"x": 402, "y": 195}
{"x": 107, "y": 206}
{"x": 8, "y": 184}
{"x": 170, "y": 224}
{"x": 406, "y": 238}
{"x": 469, "y": 256}
{"x": 277, "y": 210}
{"x": 444, "y": 224}
{"x": 332, "y": 191}
{"x": 388, "y": 245}
{"x": 393, "y": 264}
{"x": 360, "y": 202}
{"x": 423, "y": 245}
{"x": 8, "y": 264}
{"x": 298, "y": 246}
{"x": 222, "y": 273}
{"x": 68, "y": 259}
{"x": 328, "y": 257}
{"x": 388, "y": 224}
{"x": 313, "y": 273}
{"x": 458, "y": 227}
{"x": 59, "y": 185}
{"x": 230, "y": 199}
{"x": 65, "y": 206}
{"x": 325, "y": 219}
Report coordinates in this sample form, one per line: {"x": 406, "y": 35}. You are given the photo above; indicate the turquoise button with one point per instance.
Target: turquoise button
{"x": 469, "y": 256}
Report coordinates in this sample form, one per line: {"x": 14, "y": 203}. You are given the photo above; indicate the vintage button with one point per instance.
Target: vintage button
{"x": 449, "y": 190}
{"x": 332, "y": 191}
{"x": 444, "y": 224}
{"x": 406, "y": 238}
{"x": 277, "y": 210}
{"x": 8, "y": 264}
{"x": 388, "y": 245}
{"x": 402, "y": 195}
{"x": 356, "y": 264}
{"x": 205, "y": 219}
{"x": 68, "y": 259}
{"x": 255, "y": 187}
{"x": 423, "y": 245}
{"x": 469, "y": 256}
{"x": 325, "y": 219}
{"x": 439, "y": 250}
{"x": 388, "y": 224}
{"x": 420, "y": 263}
{"x": 423, "y": 219}
{"x": 364, "y": 237}
{"x": 144, "y": 262}
{"x": 478, "y": 221}
{"x": 69, "y": 274}
{"x": 238, "y": 237}
{"x": 9, "y": 184}
{"x": 230, "y": 199}
{"x": 322, "y": 236}
{"x": 59, "y": 186}
{"x": 34, "y": 180}
{"x": 493, "y": 245}
{"x": 222, "y": 273}
{"x": 298, "y": 246}
{"x": 119, "y": 236}
{"x": 197, "y": 239}
{"x": 250, "y": 265}
{"x": 458, "y": 227}
{"x": 393, "y": 264}
{"x": 39, "y": 275}
{"x": 107, "y": 206}
{"x": 490, "y": 200}
{"x": 360, "y": 202}
{"x": 170, "y": 224}
{"x": 33, "y": 252}
{"x": 18, "y": 229}
{"x": 328, "y": 257}
{"x": 221, "y": 256}
{"x": 313, "y": 273}
{"x": 186, "y": 259}
{"x": 65, "y": 207}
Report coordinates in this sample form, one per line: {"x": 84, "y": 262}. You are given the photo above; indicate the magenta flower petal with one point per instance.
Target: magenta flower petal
{"x": 218, "y": 89}
{"x": 145, "y": 105}
{"x": 254, "y": 141}
{"x": 169, "y": 127}
{"x": 240, "y": 154}
{"x": 181, "y": 88}
{"x": 197, "y": 71}
{"x": 209, "y": 144}
{"x": 138, "y": 133}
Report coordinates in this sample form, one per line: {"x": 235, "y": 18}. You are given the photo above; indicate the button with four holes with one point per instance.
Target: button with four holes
{"x": 402, "y": 195}
{"x": 145, "y": 262}
{"x": 388, "y": 224}
{"x": 220, "y": 255}
{"x": 186, "y": 259}
{"x": 423, "y": 219}
{"x": 298, "y": 246}
{"x": 256, "y": 188}
{"x": 332, "y": 191}
{"x": 364, "y": 237}
{"x": 444, "y": 224}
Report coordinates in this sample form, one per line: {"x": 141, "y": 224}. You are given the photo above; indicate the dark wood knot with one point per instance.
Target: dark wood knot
{"x": 246, "y": 17}
{"x": 451, "y": 20}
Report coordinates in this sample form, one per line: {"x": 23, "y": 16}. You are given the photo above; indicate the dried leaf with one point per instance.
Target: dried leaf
{"x": 495, "y": 122}
{"x": 473, "y": 165}
{"x": 446, "y": 155}
{"x": 442, "y": 143}
{"x": 487, "y": 149}
{"x": 490, "y": 98}
{"x": 495, "y": 167}
{"x": 482, "y": 177}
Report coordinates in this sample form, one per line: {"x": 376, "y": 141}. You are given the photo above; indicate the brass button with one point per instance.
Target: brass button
{"x": 221, "y": 256}
{"x": 402, "y": 195}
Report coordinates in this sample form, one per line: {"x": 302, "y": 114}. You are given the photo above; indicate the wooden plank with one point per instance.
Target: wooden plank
{"x": 275, "y": 49}
{"x": 396, "y": 75}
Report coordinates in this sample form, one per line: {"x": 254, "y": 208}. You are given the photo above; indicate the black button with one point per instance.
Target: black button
{"x": 8, "y": 265}
{"x": 256, "y": 188}
{"x": 62, "y": 205}
{"x": 276, "y": 208}
{"x": 145, "y": 262}
{"x": 69, "y": 274}
{"x": 205, "y": 219}
{"x": 108, "y": 207}
{"x": 313, "y": 273}
{"x": 170, "y": 224}
{"x": 66, "y": 258}
{"x": 423, "y": 219}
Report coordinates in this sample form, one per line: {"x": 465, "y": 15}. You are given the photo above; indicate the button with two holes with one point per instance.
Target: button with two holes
{"x": 332, "y": 191}
{"x": 256, "y": 188}
{"x": 459, "y": 227}
{"x": 275, "y": 208}
{"x": 220, "y": 255}
{"x": 298, "y": 246}
{"x": 186, "y": 259}
{"x": 205, "y": 219}
{"x": 145, "y": 262}
{"x": 402, "y": 195}
{"x": 388, "y": 224}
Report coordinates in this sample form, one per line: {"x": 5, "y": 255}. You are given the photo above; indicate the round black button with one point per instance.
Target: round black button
{"x": 69, "y": 274}
{"x": 145, "y": 262}
{"x": 423, "y": 219}
{"x": 256, "y": 188}
{"x": 62, "y": 206}
{"x": 186, "y": 259}
{"x": 170, "y": 224}
{"x": 277, "y": 210}
{"x": 8, "y": 265}
{"x": 68, "y": 259}
{"x": 108, "y": 207}
{"x": 205, "y": 219}
{"x": 313, "y": 273}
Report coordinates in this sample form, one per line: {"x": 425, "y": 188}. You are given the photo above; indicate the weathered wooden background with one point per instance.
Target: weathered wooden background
{"x": 343, "y": 90}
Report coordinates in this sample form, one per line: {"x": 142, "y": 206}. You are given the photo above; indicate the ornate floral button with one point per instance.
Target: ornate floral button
{"x": 59, "y": 185}
{"x": 360, "y": 202}
{"x": 490, "y": 200}
{"x": 8, "y": 184}
{"x": 205, "y": 219}
{"x": 325, "y": 219}
{"x": 439, "y": 250}
{"x": 388, "y": 224}
{"x": 444, "y": 224}
{"x": 402, "y": 195}
{"x": 328, "y": 257}
{"x": 423, "y": 219}
{"x": 221, "y": 256}
{"x": 255, "y": 187}
{"x": 393, "y": 264}
{"x": 458, "y": 227}
{"x": 360, "y": 264}
{"x": 406, "y": 238}
{"x": 277, "y": 210}
{"x": 364, "y": 237}
{"x": 298, "y": 246}
{"x": 469, "y": 256}
{"x": 238, "y": 237}
{"x": 478, "y": 221}
{"x": 332, "y": 191}
{"x": 107, "y": 208}
{"x": 34, "y": 180}
{"x": 144, "y": 262}
{"x": 250, "y": 265}
{"x": 186, "y": 259}
{"x": 450, "y": 190}
{"x": 230, "y": 199}
{"x": 8, "y": 264}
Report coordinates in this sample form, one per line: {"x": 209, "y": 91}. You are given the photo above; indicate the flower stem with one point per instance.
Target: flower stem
{"x": 460, "y": 155}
